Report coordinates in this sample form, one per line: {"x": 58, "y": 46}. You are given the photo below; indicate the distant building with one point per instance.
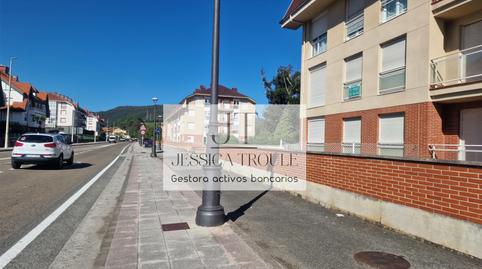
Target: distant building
{"x": 66, "y": 115}
{"x": 29, "y": 107}
{"x": 93, "y": 123}
{"x": 189, "y": 123}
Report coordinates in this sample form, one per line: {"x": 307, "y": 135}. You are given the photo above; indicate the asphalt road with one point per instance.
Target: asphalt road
{"x": 30, "y": 194}
{"x": 299, "y": 234}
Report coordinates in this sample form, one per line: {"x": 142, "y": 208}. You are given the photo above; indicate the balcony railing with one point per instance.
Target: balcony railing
{"x": 458, "y": 152}
{"x": 460, "y": 67}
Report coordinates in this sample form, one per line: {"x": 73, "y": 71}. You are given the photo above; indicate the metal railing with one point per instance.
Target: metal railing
{"x": 378, "y": 149}
{"x": 459, "y": 67}
{"x": 458, "y": 152}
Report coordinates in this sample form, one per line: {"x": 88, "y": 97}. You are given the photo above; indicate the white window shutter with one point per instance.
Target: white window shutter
{"x": 354, "y": 69}
{"x": 391, "y": 129}
{"x": 393, "y": 55}
{"x": 319, "y": 26}
{"x": 316, "y": 131}
{"x": 317, "y": 86}
{"x": 352, "y": 131}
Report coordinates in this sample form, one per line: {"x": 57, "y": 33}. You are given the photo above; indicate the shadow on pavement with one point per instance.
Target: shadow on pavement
{"x": 236, "y": 214}
{"x": 66, "y": 167}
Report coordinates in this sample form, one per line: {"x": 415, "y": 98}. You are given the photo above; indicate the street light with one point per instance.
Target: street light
{"x": 211, "y": 212}
{"x": 7, "y": 118}
{"x": 154, "y": 153}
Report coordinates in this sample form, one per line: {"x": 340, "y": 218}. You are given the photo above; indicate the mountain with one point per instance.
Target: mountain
{"x": 130, "y": 117}
{"x": 122, "y": 113}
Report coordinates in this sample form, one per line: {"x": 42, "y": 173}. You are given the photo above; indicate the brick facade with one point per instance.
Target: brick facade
{"x": 447, "y": 189}
{"x": 425, "y": 123}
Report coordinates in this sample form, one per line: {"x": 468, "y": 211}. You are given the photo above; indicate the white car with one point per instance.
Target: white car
{"x": 112, "y": 139}
{"x": 37, "y": 148}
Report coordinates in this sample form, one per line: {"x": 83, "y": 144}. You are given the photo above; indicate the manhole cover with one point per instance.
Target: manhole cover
{"x": 381, "y": 260}
{"x": 175, "y": 226}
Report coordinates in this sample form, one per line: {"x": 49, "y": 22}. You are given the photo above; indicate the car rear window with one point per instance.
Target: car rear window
{"x": 36, "y": 139}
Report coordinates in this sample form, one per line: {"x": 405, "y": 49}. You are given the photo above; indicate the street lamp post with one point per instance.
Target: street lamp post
{"x": 154, "y": 151}
{"x": 211, "y": 212}
{"x": 7, "y": 118}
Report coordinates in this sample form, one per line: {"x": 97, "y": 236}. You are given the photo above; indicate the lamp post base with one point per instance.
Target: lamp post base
{"x": 210, "y": 216}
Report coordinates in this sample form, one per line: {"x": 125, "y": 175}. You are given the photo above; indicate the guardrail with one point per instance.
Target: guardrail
{"x": 459, "y": 67}
{"x": 458, "y": 151}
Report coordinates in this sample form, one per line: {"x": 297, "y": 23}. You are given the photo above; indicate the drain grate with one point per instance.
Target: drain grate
{"x": 174, "y": 226}
{"x": 381, "y": 260}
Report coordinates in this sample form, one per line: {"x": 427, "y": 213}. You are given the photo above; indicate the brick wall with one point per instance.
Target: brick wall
{"x": 425, "y": 123}
{"x": 447, "y": 189}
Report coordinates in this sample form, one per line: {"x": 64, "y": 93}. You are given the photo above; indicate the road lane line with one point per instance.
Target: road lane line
{"x": 16, "y": 249}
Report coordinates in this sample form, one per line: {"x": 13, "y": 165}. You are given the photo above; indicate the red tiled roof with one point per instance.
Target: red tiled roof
{"x": 58, "y": 97}
{"x": 17, "y": 105}
{"x": 294, "y": 6}
{"x": 42, "y": 96}
{"x": 223, "y": 91}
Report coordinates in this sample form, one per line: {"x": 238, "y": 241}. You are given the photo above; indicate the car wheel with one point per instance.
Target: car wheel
{"x": 16, "y": 165}
{"x": 60, "y": 162}
{"x": 71, "y": 160}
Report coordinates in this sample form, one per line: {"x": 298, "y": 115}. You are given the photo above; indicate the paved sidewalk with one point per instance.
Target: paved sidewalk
{"x": 139, "y": 242}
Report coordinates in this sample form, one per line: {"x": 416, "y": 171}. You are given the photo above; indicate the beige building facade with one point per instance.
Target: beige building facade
{"x": 392, "y": 77}
{"x": 187, "y": 123}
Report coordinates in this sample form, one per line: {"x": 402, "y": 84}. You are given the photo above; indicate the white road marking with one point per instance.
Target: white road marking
{"x": 16, "y": 249}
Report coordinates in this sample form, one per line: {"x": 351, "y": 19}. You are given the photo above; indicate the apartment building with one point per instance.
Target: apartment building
{"x": 66, "y": 115}
{"x": 28, "y": 106}
{"x": 392, "y": 77}
{"x": 188, "y": 122}
{"x": 93, "y": 123}
{"x": 393, "y": 90}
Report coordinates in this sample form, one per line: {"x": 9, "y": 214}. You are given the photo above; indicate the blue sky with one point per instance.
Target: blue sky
{"x": 117, "y": 52}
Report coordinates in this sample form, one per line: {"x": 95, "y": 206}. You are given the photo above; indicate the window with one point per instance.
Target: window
{"x": 190, "y": 126}
{"x": 353, "y": 77}
{"x": 63, "y": 106}
{"x": 318, "y": 35}
{"x": 317, "y": 87}
{"x": 392, "y": 9}
{"x": 63, "y": 120}
{"x": 63, "y": 112}
{"x": 390, "y": 138}
{"x": 392, "y": 77}
{"x": 190, "y": 112}
{"x": 351, "y": 135}
{"x": 189, "y": 139}
{"x": 354, "y": 18}
{"x": 316, "y": 134}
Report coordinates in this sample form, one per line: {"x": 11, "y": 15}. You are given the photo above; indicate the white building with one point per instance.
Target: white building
{"x": 28, "y": 107}
{"x": 66, "y": 116}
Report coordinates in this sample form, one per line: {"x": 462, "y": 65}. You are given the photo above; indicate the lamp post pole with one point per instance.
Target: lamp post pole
{"x": 7, "y": 118}
{"x": 211, "y": 212}
{"x": 154, "y": 151}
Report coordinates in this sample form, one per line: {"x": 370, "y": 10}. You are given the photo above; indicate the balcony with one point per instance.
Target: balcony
{"x": 457, "y": 76}
{"x": 452, "y": 9}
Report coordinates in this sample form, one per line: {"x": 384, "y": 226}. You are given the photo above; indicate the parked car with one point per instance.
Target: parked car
{"x": 38, "y": 148}
{"x": 147, "y": 143}
{"x": 112, "y": 139}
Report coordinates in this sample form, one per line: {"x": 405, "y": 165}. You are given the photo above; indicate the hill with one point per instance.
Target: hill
{"x": 129, "y": 117}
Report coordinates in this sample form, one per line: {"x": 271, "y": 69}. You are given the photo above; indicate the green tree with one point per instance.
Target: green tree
{"x": 284, "y": 88}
